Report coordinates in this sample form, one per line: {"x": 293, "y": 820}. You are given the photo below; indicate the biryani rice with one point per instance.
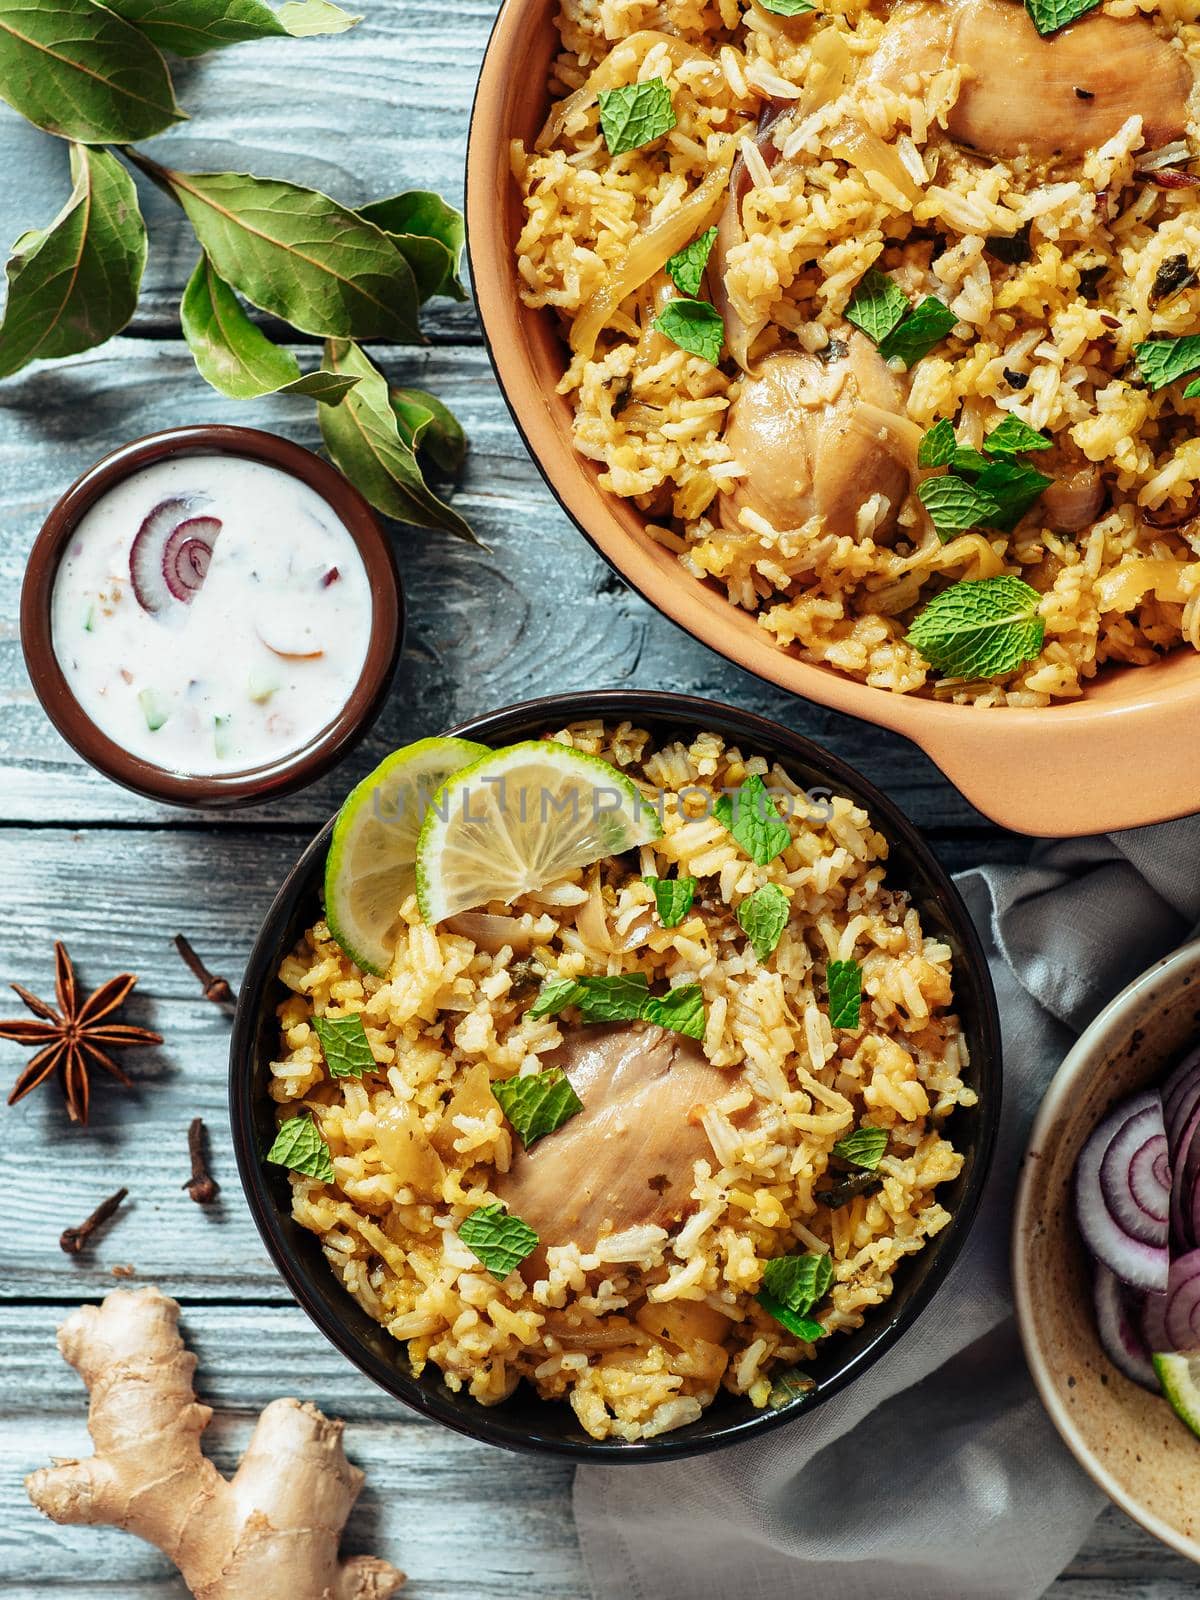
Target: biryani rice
{"x": 868, "y": 176}
{"x": 638, "y": 1332}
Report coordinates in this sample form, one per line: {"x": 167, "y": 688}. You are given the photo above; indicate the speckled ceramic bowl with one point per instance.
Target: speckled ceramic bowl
{"x": 1127, "y": 1439}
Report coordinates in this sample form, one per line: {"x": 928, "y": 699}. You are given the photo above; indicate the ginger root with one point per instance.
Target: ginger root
{"x": 270, "y": 1533}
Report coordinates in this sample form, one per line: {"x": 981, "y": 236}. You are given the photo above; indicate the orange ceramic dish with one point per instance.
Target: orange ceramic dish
{"x": 1119, "y": 757}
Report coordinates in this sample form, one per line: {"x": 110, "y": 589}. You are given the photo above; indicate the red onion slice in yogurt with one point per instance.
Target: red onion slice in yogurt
{"x": 170, "y": 556}
{"x": 187, "y": 555}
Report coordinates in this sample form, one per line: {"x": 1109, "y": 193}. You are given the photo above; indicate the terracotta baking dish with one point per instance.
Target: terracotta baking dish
{"x": 1121, "y": 757}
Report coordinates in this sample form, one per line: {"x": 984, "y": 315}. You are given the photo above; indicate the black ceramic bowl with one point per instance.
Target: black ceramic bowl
{"x": 525, "y": 1422}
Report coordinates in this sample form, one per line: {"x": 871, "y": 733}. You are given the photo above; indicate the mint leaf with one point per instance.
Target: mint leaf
{"x": 876, "y": 305}
{"x": 624, "y": 998}
{"x": 764, "y": 916}
{"x": 686, "y": 266}
{"x": 554, "y": 996}
{"x": 1051, "y": 15}
{"x": 300, "y": 1147}
{"x": 1192, "y": 390}
{"x": 954, "y": 505}
{"x": 538, "y": 1103}
{"x": 680, "y": 1009}
{"x": 789, "y": 1386}
{"x": 844, "y": 979}
{"x": 673, "y": 897}
{"x": 1012, "y": 437}
{"x": 937, "y": 447}
{"x": 863, "y": 1147}
{"x": 752, "y": 819}
{"x": 694, "y": 326}
{"x": 980, "y": 627}
{"x": 1012, "y": 487}
{"x": 1162, "y": 361}
{"x": 787, "y": 8}
{"x": 618, "y": 999}
{"x": 346, "y": 1046}
{"x": 966, "y": 460}
{"x": 500, "y": 1241}
{"x": 635, "y": 114}
{"x": 805, "y": 1328}
{"x": 798, "y": 1282}
{"x": 916, "y": 336}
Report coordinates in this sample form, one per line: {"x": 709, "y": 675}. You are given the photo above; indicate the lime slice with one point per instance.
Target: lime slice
{"x": 370, "y": 867}
{"x": 521, "y": 818}
{"x": 1179, "y": 1375}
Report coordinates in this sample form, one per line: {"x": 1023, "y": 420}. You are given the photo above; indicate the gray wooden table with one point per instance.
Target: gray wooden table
{"x": 381, "y": 109}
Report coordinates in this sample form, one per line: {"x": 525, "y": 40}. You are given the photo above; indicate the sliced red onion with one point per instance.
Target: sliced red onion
{"x": 1136, "y": 1262}
{"x": 1134, "y": 1175}
{"x": 170, "y": 556}
{"x": 1184, "y": 1182}
{"x": 1181, "y": 1095}
{"x": 1120, "y": 1336}
{"x": 1182, "y": 1315}
{"x": 1154, "y": 1324}
{"x": 187, "y": 555}
{"x": 146, "y": 555}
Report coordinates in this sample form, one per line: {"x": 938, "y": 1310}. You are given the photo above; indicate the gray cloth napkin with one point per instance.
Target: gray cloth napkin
{"x": 937, "y": 1476}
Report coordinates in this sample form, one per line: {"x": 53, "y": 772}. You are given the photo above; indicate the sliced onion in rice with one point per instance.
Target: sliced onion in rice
{"x": 649, "y": 253}
{"x": 1121, "y": 1338}
{"x": 614, "y": 70}
{"x": 879, "y": 163}
{"x": 1136, "y": 1262}
{"x": 492, "y": 933}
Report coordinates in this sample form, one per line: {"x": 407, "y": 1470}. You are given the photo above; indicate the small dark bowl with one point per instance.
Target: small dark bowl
{"x": 524, "y": 1422}
{"x": 289, "y": 772}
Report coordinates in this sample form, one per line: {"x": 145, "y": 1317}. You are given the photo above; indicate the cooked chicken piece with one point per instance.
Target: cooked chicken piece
{"x": 626, "y": 1158}
{"x": 816, "y": 440}
{"x": 1063, "y": 95}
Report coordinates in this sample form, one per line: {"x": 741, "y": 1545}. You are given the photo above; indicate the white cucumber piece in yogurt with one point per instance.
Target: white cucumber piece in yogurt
{"x": 222, "y": 737}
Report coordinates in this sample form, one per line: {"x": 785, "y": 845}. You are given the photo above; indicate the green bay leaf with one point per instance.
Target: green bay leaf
{"x": 430, "y": 427}
{"x": 363, "y": 437}
{"x": 298, "y": 254}
{"x": 235, "y": 355}
{"x": 193, "y": 27}
{"x": 74, "y": 284}
{"x": 81, "y": 71}
{"x": 429, "y": 233}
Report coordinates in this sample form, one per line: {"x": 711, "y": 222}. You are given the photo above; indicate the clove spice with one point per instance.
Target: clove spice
{"x": 201, "y": 1186}
{"x": 215, "y": 989}
{"x": 72, "y": 1240}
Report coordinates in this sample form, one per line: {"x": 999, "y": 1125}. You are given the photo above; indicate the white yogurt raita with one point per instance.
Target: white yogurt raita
{"x": 211, "y": 614}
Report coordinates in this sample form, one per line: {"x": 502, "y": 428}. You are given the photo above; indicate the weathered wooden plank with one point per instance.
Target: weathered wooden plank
{"x": 459, "y": 1517}
{"x": 540, "y": 611}
{"x": 428, "y": 1491}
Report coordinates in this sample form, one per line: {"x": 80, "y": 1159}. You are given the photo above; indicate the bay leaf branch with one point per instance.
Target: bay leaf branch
{"x": 75, "y": 283}
{"x": 235, "y": 355}
{"x": 78, "y": 70}
{"x": 193, "y": 27}
{"x": 364, "y": 439}
{"x": 297, "y": 254}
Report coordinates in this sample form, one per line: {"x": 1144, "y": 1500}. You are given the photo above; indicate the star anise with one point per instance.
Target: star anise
{"x": 76, "y": 1037}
